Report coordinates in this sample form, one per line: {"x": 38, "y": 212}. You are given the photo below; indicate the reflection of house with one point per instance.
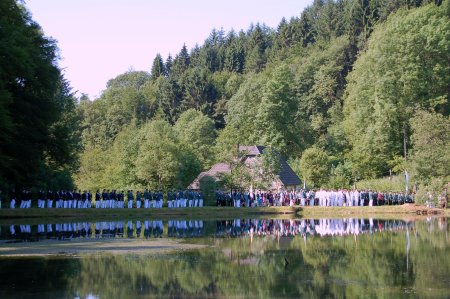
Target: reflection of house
{"x": 286, "y": 179}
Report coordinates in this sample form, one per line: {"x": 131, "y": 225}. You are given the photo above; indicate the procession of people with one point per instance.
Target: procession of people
{"x": 320, "y": 197}
{"x": 105, "y": 199}
{"x": 111, "y": 199}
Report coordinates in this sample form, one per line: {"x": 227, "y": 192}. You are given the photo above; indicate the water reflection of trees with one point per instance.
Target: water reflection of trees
{"x": 38, "y": 277}
{"x": 368, "y": 265}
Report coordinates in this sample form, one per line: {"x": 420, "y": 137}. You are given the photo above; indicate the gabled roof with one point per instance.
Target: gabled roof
{"x": 287, "y": 176}
{"x": 219, "y": 168}
{"x": 214, "y": 172}
{"x": 252, "y": 150}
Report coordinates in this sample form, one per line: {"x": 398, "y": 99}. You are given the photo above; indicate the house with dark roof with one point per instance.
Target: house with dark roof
{"x": 285, "y": 179}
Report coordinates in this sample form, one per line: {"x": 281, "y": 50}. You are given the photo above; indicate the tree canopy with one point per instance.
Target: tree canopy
{"x": 37, "y": 126}
{"x": 337, "y": 86}
{"x": 404, "y": 68}
{"x": 340, "y": 91}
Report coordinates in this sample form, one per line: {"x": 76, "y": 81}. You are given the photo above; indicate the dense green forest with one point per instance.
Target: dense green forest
{"x": 349, "y": 90}
{"x": 39, "y": 135}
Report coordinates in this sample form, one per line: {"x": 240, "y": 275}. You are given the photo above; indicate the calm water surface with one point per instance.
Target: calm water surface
{"x": 326, "y": 258}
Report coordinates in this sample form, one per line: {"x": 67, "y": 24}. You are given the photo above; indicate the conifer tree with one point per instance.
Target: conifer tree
{"x": 158, "y": 68}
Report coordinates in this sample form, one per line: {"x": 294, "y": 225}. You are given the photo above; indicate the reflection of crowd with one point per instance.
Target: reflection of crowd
{"x": 196, "y": 228}
{"x": 184, "y": 229}
{"x": 106, "y": 229}
{"x": 357, "y": 226}
{"x": 74, "y": 230}
{"x": 303, "y": 227}
{"x": 321, "y": 197}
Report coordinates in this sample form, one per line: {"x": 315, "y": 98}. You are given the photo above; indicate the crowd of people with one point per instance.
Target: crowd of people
{"x": 188, "y": 198}
{"x": 62, "y": 199}
{"x": 321, "y": 197}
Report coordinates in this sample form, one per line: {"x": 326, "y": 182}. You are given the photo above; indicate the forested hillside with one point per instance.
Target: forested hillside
{"x": 339, "y": 91}
{"x": 348, "y": 90}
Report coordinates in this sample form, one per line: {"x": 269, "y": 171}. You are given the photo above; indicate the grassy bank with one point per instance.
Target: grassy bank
{"x": 383, "y": 212}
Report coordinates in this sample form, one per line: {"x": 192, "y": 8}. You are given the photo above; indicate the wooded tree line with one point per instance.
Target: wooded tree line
{"x": 39, "y": 140}
{"x": 338, "y": 91}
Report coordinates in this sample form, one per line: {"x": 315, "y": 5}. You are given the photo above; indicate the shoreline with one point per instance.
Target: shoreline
{"x": 35, "y": 215}
{"x": 380, "y": 212}
{"x": 52, "y": 248}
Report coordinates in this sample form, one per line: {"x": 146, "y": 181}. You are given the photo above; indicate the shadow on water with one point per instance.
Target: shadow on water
{"x": 250, "y": 258}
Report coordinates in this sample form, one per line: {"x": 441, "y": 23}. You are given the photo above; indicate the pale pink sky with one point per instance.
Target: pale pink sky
{"x": 100, "y": 39}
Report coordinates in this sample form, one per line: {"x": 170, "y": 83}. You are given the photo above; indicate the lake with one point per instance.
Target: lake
{"x": 236, "y": 258}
